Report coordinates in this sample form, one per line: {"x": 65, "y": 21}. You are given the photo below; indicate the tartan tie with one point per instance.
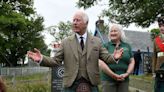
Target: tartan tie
{"x": 82, "y": 43}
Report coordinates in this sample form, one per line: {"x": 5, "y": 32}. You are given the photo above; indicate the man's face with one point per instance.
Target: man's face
{"x": 161, "y": 28}
{"x": 78, "y": 24}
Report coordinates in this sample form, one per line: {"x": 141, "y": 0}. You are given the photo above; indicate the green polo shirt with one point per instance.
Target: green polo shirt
{"x": 123, "y": 63}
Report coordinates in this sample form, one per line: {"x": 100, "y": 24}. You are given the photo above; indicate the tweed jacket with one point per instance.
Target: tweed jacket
{"x": 68, "y": 53}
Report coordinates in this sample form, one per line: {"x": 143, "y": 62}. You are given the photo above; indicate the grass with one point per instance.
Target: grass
{"x": 29, "y": 87}
{"x": 29, "y": 83}
{"x": 37, "y": 82}
{"x": 147, "y": 77}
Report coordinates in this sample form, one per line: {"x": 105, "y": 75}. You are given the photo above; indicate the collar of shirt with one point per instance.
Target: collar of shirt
{"x": 84, "y": 37}
{"x": 114, "y": 44}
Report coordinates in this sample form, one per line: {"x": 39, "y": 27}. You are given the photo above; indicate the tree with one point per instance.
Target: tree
{"x": 154, "y": 32}
{"x": 141, "y": 12}
{"x": 61, "y": 30}
{"x": 20, "y": 29}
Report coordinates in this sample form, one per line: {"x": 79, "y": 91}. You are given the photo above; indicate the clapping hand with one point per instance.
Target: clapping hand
{"x": 34, "y": 55}
{"x": 118, "y": 53}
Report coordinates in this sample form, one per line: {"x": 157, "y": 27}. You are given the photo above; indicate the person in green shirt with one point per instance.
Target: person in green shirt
{"x": 115, "y": 77}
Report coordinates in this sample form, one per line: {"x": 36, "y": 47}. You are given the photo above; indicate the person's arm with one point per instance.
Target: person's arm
{"x": 56, "y": 60}
{"x": 103, "y": 66}
{"x": 45, "y": 60}
{"x": 130, "y": 68}
{"x": 154, "y": 59}
{"x": 35, "y": 55}
{"x": 110, "y": 57}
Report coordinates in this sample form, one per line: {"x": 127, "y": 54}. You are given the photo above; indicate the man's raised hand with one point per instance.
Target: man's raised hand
{"x": 35, "y": 55}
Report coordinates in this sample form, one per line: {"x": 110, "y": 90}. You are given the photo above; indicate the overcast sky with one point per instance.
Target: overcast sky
{"x": 55, "y": 11}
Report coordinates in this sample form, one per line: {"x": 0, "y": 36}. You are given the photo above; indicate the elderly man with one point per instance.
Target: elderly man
{"x": 80, "y": 54}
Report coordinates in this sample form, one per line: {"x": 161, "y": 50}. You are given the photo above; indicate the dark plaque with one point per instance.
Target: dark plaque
{"x": 57, "y": 79}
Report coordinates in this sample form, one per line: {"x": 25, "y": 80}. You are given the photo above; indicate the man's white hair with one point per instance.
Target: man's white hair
{"x": 120, "y": 29}
{"x": 83, "y": 14}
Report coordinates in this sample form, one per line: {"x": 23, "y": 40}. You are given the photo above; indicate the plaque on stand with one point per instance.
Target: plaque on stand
{"x": 57, "y": 79}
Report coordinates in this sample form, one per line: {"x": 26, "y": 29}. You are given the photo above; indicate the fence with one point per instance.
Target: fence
{"x": 45, "y": 78}
{"x": 22, "y": 70}
{"x": 26, "y": 77}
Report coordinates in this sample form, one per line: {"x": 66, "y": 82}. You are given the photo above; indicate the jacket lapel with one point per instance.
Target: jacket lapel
{"x": 90, "y": 45}
{"x": 74, "y": 46}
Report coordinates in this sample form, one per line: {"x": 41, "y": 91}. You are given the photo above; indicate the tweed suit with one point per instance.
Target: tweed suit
{"x": 68, "y": 53}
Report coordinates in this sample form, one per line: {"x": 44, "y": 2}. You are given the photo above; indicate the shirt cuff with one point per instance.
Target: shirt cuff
{"x": 40, "y": 60}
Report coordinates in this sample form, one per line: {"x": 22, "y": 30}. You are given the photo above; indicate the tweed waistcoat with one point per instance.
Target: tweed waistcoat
{"x": 82, "y": 54}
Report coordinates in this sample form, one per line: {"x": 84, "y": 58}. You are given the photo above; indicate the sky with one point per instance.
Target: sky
{"x": 55, "y": 11}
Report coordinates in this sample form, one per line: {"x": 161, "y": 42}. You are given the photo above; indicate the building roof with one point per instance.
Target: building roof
{"x": 137, "y": 40}
{"x": 140, "y": 40}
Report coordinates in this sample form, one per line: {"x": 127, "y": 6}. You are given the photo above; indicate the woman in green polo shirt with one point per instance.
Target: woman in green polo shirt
{"x": 115, "y": 77}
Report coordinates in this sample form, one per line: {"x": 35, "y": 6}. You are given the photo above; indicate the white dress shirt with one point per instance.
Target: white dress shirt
{"x": 84, "y": 37}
